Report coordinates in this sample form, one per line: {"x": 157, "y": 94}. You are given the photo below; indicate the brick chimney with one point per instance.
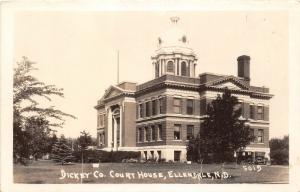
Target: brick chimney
{"x": 244, "y": 68}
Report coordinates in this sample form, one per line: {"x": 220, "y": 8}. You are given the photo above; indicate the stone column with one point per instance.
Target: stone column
{"x": 115, "y": 134}
{"x": 109, "y": 128}
{"x": 153, "y": 70}
{"x": 160, "y": 68}
{"x": 121, "y": 125}
{"x": 179, "y": 67}
{"x": 191, "y": 68}
{"x": 164, "y": 66}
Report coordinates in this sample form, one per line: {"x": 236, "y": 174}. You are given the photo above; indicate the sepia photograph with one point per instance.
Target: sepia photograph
{"x": 134, "y": 96}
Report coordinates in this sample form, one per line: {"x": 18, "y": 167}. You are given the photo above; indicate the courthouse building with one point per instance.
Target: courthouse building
{"x": 159, "y": 117}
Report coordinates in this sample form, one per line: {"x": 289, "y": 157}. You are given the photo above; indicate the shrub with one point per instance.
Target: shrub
{"x": 162, "y": 160}
{"x": 279, "y": 151}
{"x": 96, "y": 156}
{"x": 152, "y": 160}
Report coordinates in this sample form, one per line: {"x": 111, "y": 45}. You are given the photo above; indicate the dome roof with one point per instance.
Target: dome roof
{"x": 174, "y": 39}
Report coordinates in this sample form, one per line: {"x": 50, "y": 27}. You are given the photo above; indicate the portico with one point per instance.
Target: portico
{"x": 114, "y": 129}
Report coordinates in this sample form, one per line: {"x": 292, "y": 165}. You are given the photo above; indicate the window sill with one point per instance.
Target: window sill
{"x": 152, "y": 141}
{"x": 143, "y": 141}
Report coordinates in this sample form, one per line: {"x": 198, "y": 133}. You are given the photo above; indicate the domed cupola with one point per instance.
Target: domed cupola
{"x": 174, "y": 56}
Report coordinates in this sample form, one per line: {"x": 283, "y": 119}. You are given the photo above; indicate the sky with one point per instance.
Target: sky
{"x": 77, "y": 51}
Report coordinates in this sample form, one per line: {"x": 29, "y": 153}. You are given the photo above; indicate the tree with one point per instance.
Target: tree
{"x": 32, "y": 123}
{"x": 223, "y": 132}
{"x": 193, "y": 149}
{"x": 279, "y": 151}
{"x": 51, "y": 141}
{"x": 84, "y": 141}
{"x": 61, "y": 151}
{"x": 37, "y": 133}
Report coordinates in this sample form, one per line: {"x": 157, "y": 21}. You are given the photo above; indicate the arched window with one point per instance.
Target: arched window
{"x": 170, "y": 67}
{"x": 183, "y": 69}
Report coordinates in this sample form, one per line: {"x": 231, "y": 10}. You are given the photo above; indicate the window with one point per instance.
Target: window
{"x": 140, "y": 136}
{"x": 100, "y": 139}
{"x": 160, "y": 110}
{"x": 239, "y": 106}
{"x": 260, "y": 136}
{"x": 152, "y": 133}
{"x": 141, "y": 110}
{"x": 260, "y": 112}
{"x": 184, "y": 39}
{"x": 148, "y": 108}
{"x": 252, "y": 135}
{"x": 145, "y": 134}
{"x": 145, "y": 155}
{"x": 183, "y": 69}
{"x": 159, "y": 132}
{"x": 190, "y": 106}
{"x": 101, "y": 120}
{"x": 154, "y": 107}
{"x": 251, "y": 111}
{"x": 189, "y": 132}
{"x": 177, "y": 105}
{"x": 177, "y": 129}
{"x": 177, "y": 155}
{"x": 170, "y": 67}
{"x": 159, "y": 41}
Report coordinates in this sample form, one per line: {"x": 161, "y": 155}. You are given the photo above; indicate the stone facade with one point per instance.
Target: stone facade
{"x": 158, "y": 117}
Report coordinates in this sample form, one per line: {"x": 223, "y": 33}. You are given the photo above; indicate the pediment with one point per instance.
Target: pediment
{"x": 229, "y": 85}
{"x": 112, "y": 91}
{"x": 230, "y": 82}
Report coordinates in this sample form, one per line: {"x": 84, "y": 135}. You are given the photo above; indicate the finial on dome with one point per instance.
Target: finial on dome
{"x": 174, "y": 20}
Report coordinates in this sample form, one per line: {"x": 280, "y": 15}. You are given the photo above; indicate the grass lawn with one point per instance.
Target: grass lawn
{"x": 50, "y": 173}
